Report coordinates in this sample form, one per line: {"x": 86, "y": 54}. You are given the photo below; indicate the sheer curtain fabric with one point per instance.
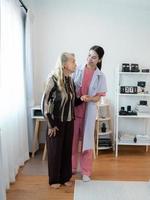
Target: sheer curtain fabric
{"x": 13, "y": 115}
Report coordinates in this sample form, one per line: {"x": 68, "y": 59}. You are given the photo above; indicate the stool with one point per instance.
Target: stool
{"x": 44, "y": 152}
{"x": 38, "y": 120}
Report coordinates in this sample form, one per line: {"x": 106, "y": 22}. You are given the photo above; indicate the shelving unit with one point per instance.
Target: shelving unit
{"x": 103, "y": 139}
{"x": 132, "y": 129}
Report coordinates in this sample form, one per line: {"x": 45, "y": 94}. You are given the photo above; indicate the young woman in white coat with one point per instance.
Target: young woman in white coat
{"x": 89, "y": 81}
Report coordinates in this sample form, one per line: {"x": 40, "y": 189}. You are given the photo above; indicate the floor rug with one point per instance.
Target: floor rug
{"x": 112, "y": 190}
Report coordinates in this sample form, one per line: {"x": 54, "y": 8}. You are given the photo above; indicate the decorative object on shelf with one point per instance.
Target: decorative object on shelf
{"x": 128, "y": 89}
{"x": 129, "y": 108}
{"x": 103, "y": 128}
{"x": 128, "y": 112}
{"x": 142, "y": 107}
{"x": 143, "y": 102}
{"x": 131, "y": 112}
{"x": 134, "y": 68}
{"x": 135, "y": 139}
{"x": 125, "y": 67}
{"x": 122, "y": 111}
{"x": 145, "y": 70}
{"x": 141, "y": 86}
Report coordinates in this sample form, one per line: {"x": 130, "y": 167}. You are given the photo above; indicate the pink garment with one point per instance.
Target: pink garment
{"x": 86, "y": 157}
{"x": 87, "y": 77}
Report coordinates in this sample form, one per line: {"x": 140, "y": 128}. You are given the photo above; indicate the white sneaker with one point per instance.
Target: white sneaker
{"x": 86, "y": 178}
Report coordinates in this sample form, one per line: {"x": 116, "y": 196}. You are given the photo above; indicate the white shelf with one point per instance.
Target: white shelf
{"x": 103, "y": 119}
{"x": 133, "y": 144}
{"x": 134, "y": 73}
{"x": 41, "y": 118}
{"x": 103, "y": 105}
{"x": 135, "y": 116}
{"x": 104, "y": 133}
{"x": 104, "y": 148}
{"x": 135, "y": 95}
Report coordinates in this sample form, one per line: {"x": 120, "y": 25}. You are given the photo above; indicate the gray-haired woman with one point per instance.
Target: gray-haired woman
{"x": 58, "y": 103}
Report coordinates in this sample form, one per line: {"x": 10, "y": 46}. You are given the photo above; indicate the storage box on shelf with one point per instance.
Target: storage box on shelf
{"x": 103, "y": 127}
{"x": 133, "y": 108}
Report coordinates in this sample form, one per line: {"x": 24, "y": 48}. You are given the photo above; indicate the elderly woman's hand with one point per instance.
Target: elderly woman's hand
{"x": 52, "y": 131}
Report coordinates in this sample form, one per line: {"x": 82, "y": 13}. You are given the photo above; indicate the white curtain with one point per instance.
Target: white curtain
{"x": 2, "y": 185}
{"x": 29, "y": 75}
{"x": 13, "y": 115}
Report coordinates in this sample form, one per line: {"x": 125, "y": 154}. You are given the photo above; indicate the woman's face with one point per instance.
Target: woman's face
{"x": 93, "y": 58}
{"x": 70, "y": 64}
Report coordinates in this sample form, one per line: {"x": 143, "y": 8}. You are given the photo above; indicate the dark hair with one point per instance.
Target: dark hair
{"x": 100, "y": 52}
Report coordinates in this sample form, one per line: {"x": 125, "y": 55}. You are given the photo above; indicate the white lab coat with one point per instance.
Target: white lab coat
{"x": 97, "y": 85}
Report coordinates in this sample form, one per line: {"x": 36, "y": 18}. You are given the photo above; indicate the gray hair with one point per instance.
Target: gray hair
{"x": 59, "y": 74}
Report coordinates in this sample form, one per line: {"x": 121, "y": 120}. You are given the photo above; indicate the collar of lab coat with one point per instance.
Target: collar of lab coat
{"x": 78, "y": 76}
{"x": 82, "y": 67}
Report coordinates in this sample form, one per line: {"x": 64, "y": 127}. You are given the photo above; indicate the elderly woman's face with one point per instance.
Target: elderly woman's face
{"x": 70, "y": 64}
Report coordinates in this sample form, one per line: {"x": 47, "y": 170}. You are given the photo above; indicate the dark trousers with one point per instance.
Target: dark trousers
{"x": 59, "y": 153}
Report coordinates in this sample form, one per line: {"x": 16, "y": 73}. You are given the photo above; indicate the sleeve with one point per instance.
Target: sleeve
{"x": 46, "y": 103}
{"x": 78, "y": 101}
{"x": 102, "y": 85}
{"x": 100, "y": 94}
{"x": 77, "y": 78}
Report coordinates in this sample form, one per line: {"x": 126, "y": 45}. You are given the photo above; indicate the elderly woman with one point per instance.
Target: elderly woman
{"x": 58, "y": 103}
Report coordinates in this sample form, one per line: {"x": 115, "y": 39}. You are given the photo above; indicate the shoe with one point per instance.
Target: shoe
{"x": 68, "y": 183}
{"x": 55, "y": 186}
{"x": 86, "y": 178}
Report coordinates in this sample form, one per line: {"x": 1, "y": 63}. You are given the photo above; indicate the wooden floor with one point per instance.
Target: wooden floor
{"x": 132, "y": 164}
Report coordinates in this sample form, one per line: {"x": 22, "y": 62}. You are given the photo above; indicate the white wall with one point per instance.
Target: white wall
{"x": 121, "y": 27}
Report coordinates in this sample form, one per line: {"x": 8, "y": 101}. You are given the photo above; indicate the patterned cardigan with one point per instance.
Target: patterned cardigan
{"x": 59, "y": 105}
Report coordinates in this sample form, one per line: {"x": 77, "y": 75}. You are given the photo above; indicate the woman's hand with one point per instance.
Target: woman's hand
{"x": 52, "y": 131}
{"x": 85, "y": 98}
